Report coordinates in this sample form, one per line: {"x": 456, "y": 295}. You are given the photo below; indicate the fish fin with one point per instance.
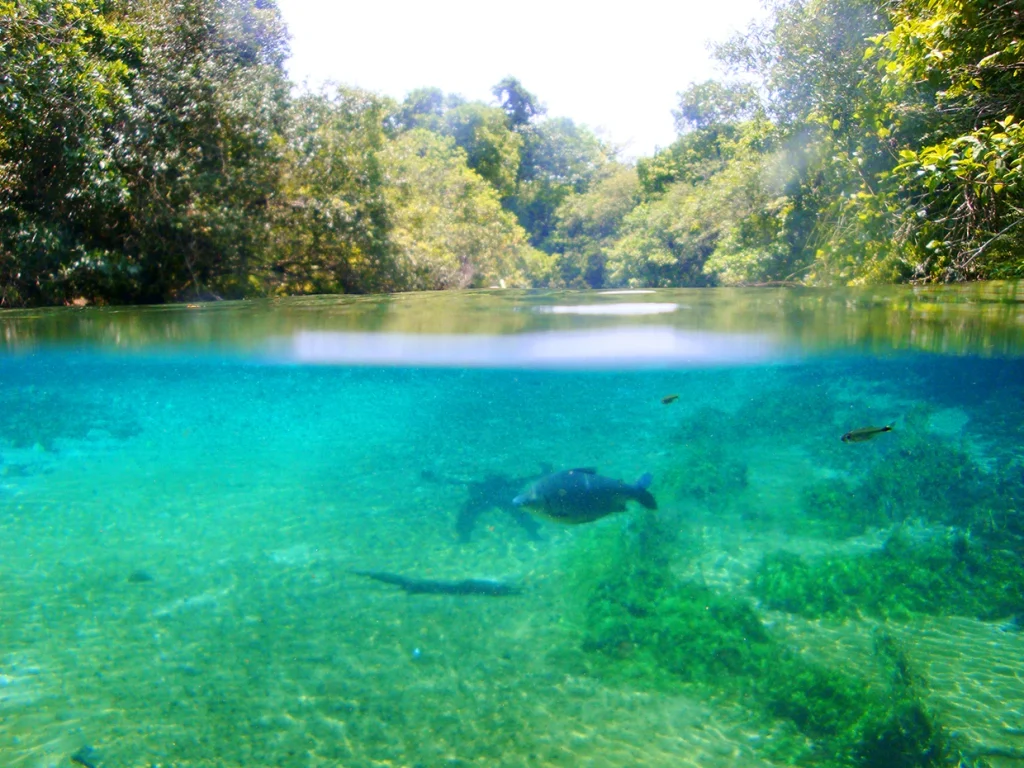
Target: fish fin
{"x": 585, "y": 470}
{"x": 646, "y": 499}
{"x": 644, "y": 481}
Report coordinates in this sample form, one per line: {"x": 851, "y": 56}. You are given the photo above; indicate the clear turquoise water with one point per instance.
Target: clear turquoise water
{"x": 178, "y": 531}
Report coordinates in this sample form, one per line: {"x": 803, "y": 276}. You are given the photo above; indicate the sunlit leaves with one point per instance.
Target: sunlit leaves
{"x": 588, "y": 224}
{"x": 449, "y": 229}
{"x": 330, "y": 221}
{"x": 137, "y": 146}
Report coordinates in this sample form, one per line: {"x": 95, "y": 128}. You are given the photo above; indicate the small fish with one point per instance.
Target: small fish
{"x": 865, "y": 433}
{"x": 140, "y": 576}
{"x": 582, "y": 496}
{"x": 668, "y": 399}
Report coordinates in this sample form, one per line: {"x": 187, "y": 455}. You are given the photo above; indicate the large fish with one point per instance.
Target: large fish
{"x": 581, "y": 496}
{"x": 489, "y": 587}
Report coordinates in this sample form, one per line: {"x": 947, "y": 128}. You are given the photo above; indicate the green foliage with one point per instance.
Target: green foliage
{"x": 948, "y": 74}
{"x": 449, "y": 229}
{"x": 651, "y": 627}
{"x": 962, "y": 203}
{"x": 918, "y": 475}
{"x": 898, "y": 119}
{"x": 151, "y": 151}
{"x": 944, "y": 575}
{"x": 137, "y": 147}
{"x": 693, "y": 158}
{"x": 709, "y": 104}
{"x": 731, "y": 223}
{"x": 559, "y": 161}
{"x": 520, "y": 106}
{"x": 67, "y": 70}
{"x": 206, "y": 114}
{"x": 635, "y": 609}
{"x": 492, "y": 148}
{"x": 587, "y": 224}
{"x": 810, "y": 58}
{"x": 533, "y": 164}
{"x": 330, "y": 220}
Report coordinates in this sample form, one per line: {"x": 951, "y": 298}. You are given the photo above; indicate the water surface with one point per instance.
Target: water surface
{"x": 185, "y": 493}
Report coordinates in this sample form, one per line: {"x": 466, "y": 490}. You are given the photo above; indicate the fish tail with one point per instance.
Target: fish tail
{"x": 646, "y": 498}
{"x": 642, "y": 494}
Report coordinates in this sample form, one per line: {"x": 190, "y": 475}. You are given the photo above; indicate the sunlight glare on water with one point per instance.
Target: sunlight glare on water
{"x": 612, "y": 348}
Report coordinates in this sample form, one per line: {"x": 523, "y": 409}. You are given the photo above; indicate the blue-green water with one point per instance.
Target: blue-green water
{"x": 179, "y": 528}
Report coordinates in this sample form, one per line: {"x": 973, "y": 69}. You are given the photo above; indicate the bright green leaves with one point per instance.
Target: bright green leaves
{"x": 138, "y": 146}
{"x": 448, "y": 227}
{"x": 151, "y": 150}
{"x": 492, "y": 148}
{"x": 67, "y": 70}
{"x": 588, "y": 225}
{"x": 330, "y": 219}
{"x": 970, "y": 190}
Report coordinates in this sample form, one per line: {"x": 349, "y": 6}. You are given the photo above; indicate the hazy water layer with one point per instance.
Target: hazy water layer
{"x": 178, "y": 536}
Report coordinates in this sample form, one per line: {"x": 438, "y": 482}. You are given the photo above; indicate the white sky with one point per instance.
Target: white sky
{"x": 615, "y": 68}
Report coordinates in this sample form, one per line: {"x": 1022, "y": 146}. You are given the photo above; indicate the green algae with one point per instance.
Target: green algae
{"x": 951, "y": 574}
{"x": 966, "y": 562}
{"x": 920, "y": 476}
{"x": 706, "y": 468}
{"x": 647, "y": 626}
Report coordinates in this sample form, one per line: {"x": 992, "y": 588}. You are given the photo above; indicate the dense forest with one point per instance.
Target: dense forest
{"x": 154, "y": 150}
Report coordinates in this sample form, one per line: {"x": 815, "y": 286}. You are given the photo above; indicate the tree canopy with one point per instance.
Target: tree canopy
{"x": 154, "y": 150}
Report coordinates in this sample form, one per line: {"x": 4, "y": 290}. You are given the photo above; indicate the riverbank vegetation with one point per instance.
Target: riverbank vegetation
{"x": 155, "y": 150}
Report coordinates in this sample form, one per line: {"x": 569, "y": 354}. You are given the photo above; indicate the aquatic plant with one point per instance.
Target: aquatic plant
{"x": 920, "y": 475}
{"x": 645, "y": 624}
{"x": 939, "y": 574}
{"x": 706, "y": 470}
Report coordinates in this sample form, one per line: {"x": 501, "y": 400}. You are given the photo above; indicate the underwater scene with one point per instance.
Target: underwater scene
{"x": 560, "y": 532}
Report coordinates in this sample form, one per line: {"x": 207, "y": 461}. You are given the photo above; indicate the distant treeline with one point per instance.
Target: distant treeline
{"x": 153, "y": 150}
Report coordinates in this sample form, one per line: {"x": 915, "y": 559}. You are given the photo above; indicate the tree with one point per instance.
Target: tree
{"x": 588, "y": 224}
{"x": 65, "y": 80}
{"x": 331, "y": 218}
{"x": 422, "y": 108}
{"x": 709, "y": 104}
{"x": 952, "y": 77}
{"x": 449, "y": 229}
{"x": 520, "y": 106}
{"x": 206, "y": 116}
{"x": 137, "y": 146}
{"x": 492, "y": 148}
{"x": 559, "y": 159}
